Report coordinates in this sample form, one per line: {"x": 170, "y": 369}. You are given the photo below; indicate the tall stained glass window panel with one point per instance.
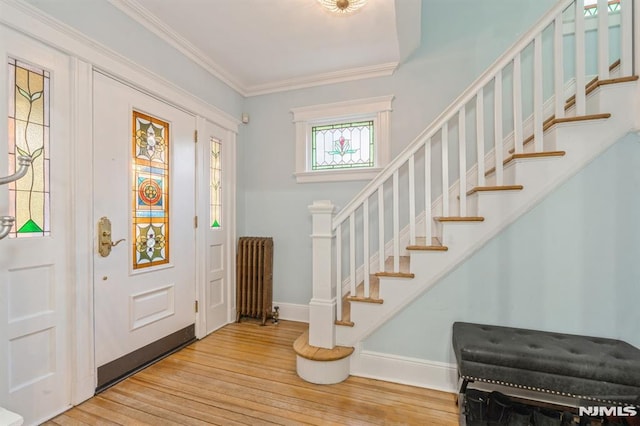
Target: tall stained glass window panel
{"x": 29, "y": 136}
{"x": 150, "y": 148}
{"x": 342, "y": 146}
{"x": 215, "y": 186}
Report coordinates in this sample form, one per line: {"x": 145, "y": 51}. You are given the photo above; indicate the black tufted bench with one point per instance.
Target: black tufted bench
{"x": 588, "y": 368}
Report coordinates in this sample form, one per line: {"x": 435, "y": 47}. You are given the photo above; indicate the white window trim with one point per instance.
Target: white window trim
{"x": 378, "y": 109}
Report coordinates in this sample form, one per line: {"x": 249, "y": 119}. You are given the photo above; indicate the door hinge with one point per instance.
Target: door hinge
{"x": 195, "y": 136}
{"x": 195, "y": 306}
{"x": 195, "y": 221}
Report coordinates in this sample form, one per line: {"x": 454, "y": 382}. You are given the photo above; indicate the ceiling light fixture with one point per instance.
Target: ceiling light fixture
{"x": 342, "y": 6}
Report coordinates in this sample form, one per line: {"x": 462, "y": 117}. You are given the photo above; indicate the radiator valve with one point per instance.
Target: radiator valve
{"x": 276, "y": 314}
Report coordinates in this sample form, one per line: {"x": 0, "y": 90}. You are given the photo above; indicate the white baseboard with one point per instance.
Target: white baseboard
{"x": 293, "y": 312}
{"x": 407, "y": 371}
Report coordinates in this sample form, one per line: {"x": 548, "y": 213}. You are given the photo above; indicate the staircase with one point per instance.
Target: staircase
{"x": 486, "y": 160}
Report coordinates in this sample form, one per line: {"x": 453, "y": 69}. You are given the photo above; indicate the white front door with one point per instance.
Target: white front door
{"x": 144, "y": 184}
{"x": 35, "y": 258}
{"x": 215, "y": 149}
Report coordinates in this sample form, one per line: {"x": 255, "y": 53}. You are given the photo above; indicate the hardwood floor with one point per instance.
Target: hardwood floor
{"x": 246, "y": 374}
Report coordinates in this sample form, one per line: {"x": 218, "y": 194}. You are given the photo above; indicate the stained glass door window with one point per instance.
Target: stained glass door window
{"x": 215, "y": 186}
{"x": 342, "y": 146}
{"x": 150, "y": 191}
{"x": 29, "y": 200}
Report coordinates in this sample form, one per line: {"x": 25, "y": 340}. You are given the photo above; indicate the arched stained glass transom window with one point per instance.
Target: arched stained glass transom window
{"x": 29, "y": 200}
{"x": 150, "y": 148}
{"x": 215, "y": 186}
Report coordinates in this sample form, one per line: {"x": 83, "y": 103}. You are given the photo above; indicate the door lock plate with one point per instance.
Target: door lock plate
{"x": 104, "y": 237}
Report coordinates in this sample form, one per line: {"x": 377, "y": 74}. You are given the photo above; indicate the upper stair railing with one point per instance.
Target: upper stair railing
{"x": 504, "y": 111}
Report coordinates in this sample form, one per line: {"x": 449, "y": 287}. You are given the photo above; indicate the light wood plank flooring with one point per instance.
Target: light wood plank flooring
{"x": 246, "y": 374}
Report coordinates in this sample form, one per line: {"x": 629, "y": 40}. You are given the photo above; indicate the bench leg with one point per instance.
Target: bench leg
{"x": 460, "y": 402}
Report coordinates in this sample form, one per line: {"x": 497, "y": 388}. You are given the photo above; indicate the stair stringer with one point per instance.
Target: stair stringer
{"x": 582, "y": 141}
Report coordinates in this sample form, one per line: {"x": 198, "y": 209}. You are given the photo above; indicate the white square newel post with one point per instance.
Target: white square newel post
{"x": 322, "y": 307}
{"x": 318, "y": 359}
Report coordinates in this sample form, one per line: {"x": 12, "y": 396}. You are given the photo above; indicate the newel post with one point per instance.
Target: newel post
{"x": 322, "y": 307}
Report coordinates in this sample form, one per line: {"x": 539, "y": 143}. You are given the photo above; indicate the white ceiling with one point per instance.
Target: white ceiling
{"x": 263, "y": 46}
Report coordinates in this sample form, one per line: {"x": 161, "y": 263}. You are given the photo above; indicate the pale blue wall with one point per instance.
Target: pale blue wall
{"x": 569, "y": 265}
{"x": 104, "y": 23}
{"x": 460, "y": 39}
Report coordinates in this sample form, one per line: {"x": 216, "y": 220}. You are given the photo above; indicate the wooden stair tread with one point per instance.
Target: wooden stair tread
{"x": 302, "y": 347}
{"x": 374, "y": 292}
{"x": 421, "y": 244}
{"x": 525, "y": 155}
{"x": 495, "y": 188}
{"x": 459, "y": 219}
{"x": 552, "y": 121}
{"x": 365, "y": 299}
{"x": 346, "y": 313}
{"x": 595, "y": 83}
{"x": 404, "y": 271}
{"x": 589, "y": 87}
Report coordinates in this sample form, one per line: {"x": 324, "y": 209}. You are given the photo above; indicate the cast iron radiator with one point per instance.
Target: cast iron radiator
{"x": 254, "y": 278}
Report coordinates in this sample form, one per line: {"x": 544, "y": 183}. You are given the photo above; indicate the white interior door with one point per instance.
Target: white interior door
{"x": 144, "y": 183}
{"x": 216, "y": 150}
{"x": 35, "y": 258}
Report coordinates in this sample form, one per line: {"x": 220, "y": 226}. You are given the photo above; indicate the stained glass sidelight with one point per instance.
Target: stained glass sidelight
{"x": 29, "y": 135}
{"x": 150, "y": 148}
{"x": 215, "y": 186}
{"x": 342, "y": 146}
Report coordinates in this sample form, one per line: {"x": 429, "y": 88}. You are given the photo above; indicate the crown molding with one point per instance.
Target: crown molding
{"x": 147, "y": 19}
{"x": 136, "y": 11}
{"x": 351, "y": 74}
{"x": 20, "y": 16}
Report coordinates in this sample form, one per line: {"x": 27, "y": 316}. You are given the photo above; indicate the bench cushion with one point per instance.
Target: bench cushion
{"x": 579, "y": 366}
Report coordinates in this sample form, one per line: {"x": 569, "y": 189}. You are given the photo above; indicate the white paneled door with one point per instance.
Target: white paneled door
{"x": 216, "y": 151}
{"x": 144, "y": 185}
{"x": 35, "y": 258}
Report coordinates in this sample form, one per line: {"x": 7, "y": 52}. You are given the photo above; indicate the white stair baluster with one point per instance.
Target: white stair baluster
{"x": 445, "y": 170}
{"x": 558, "y": 68}
{"x": 365, "y": 237}
{"x": 517, "y": 105}
{"x": 626, "y": 34}
{"x": 462, "y": 160}
{"x": 396, "y": 223}
{"x": 339, "y": 273}
{"x": 480, "y": 136}
{"x": 581, "y": 105}
{"x": 412, "y": 201}
{"x": 428, "y": 213}
{"x": 538, "y": 113}
{"x": 352, "y": 253}
{"x": 381, "y": 228}
{"x": 497, "y": 124}
{"x": 603, "y": 39}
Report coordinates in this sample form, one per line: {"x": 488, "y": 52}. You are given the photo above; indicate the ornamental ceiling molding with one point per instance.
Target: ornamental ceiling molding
{"x": 148, "y": 20}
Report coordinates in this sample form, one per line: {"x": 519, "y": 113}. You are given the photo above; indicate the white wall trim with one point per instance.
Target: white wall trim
{"x": 293, "y": 312}
{"x": 405, "y": 370}
{"x": 83, "y": 382}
